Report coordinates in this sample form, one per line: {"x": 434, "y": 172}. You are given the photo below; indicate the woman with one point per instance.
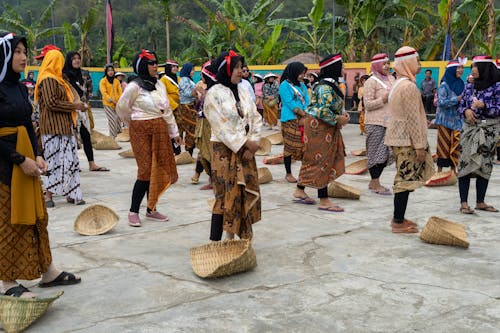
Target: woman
{"x": 270, "y": 99}
{"x": 58, "y": 119}
{"x": 407, "y": 135}
{"x": 361, "y": 104}
{"x": 236, "y": 127}
{"x": 24, "y": 242}
{"x": 171, "y": 82}
{"x": 324, "y": 151}
{"x": 111, "y": 91}
{"x": 144, "y": 106}
{"x": 448, "y": 119}
{"x": 480, "y": 106}
{"x": 294, "y": 100}
{"x": 377, "y": 112}
{"x": 188, "y": 94}
{"x": 259, "y": 83}
{"x": 73, "y": 74}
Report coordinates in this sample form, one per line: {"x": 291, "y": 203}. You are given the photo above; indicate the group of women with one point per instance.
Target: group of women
{"x": 311, "y": 126}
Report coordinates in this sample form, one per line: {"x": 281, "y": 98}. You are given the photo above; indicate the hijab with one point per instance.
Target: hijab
{"x": 109, "y": 78}
{"x": 74, "y": 75}
{"x": 455, "y": 83}
{"x": 168, "y": 71}
{"x": 331, "y": 69}
{"x": 224, "y": 65}
{"x": 292, "y": 72}
{"x": 208, "y": 74}
{"x": 406, "y": 62}
{"x": 186, "y": 70}
{"x": 377, "y": 62}
{"x": 8, "y": 43}
{"x": 488, "y": 74}
{"x": 140, "y": 64}
{"x": 52, "y": 66}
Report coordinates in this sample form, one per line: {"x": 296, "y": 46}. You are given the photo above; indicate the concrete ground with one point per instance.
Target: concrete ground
{"x": 317, "y": 271}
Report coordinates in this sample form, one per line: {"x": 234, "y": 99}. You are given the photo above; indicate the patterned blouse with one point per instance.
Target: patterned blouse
{"x": 447, "y": 112}
{"x": 186, "y": 87}
{"x": 271, "y": 89}
{"x": 227, "y": 126}
{"x": 489, "y": 96}
{"x": 325, "y": 104}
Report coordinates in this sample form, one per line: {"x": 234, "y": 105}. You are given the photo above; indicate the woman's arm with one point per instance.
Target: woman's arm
{"x": 446, "y": 97}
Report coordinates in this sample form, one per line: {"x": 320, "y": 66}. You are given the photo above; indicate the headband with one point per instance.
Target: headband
{"x": 227, "y": 62}
{"x": 328, "y": 62}
{"x": 457, "y": 62}
{"x": 380, "y": 58}
{"x": 406, "y": 55}
{"x": 482, "y": 58}
{"x": 144, "y": 54}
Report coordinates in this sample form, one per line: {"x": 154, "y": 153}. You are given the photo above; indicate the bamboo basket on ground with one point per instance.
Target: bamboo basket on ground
{"x": 124, "y": 136}
{"x": 95, "y": 220}
{"x": 17, "y": 314}
{"x": 339, "y": 190}
{"x": 444, "y": 232}
{"x": 264, "y": 147}
{"x": 265, "y": 175}
{"x": 445, "y": 178}
{"x": 357, "y": 168}
{"x": 127, "y": 153}
{"x": 277, "y": 159}
{"x": 224, "y": 258}
{"x": 275, "y": 138}
{"x": 106, "y": 143}
{"x": 96, "y": 136}
{"x": 359, "y": 152}
{"x": 184, "y": 158}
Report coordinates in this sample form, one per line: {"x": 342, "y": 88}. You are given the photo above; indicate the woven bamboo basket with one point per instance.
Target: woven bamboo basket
{"x": 277, "y": 159}
{"x": 339, "y": 190}
{"x": 124, "y": 136}
{"x": 16, "y": 314}
{"x": 95, "y": 220}
{"x": 275, "y": 138}
{"x": 96, "y": 136}
{"x": 359, "y": 152}
{"x": 264, "y": 147}
{"x": 106, "y": 143}
{"x": 211, "y": 204}
{"x": 265, "y": 175}
{"x": 444, "y": 232}
{"x": 357, "y": 168}
{"x": 184, "y": 158}
{"x": 127, "y": 153}
{"x": 445, "y": 178}
{"x": 224, "y": 258}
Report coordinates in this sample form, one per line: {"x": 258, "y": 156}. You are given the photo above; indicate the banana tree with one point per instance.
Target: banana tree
{"x": 82, "y": 26}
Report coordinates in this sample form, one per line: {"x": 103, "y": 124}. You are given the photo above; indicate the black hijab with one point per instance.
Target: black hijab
{"x": 74, "y": 75}
{"x": 9, "y": 44}
{"x": 224, "y": 65}
{"x": 140, "y": 64}
{"x": 208, "y": 74}
{"x": 168, "y": 72}
{"x": 109, "y": 78}
{"x": 292, "y": 72}
{"x": 488, "y": 75}
{"x": 332, "y": 71}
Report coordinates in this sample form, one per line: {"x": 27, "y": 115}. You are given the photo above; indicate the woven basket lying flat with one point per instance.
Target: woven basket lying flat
{"x": 359, "y": 152}
{"x": 445, "y": 178}
{"x": 275, "y": 138}
{"x": 95, "y": 220}
{"x": 124, "y": 136}
{"x": 127, "y": 153}
{"x": 339, "y": 190}
{"x": 16, "y": 314}
{"x": 278, "y": 159}
{"x": 264, "y": 147}
{"x": 265, "y": 175}
{"x": 184, "y": 158}
{"x": 444, "y": 232}
{"x": 224, "y": 258}
{"x": 357, "y": 168}
{"x": 106, "y": 143}
{"x": 96, "y": 136}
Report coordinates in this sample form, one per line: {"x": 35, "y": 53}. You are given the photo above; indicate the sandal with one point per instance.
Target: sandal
{"x": 195, "y": 180}
{"x": 305, "y": 200}
{"x": 466, "y": 210}
{"x": 332, "y": 208}
{"x": 290, "y": 179}
{"x": 78, "y": 203}
{"x": 63, "y": 279}
{"x": 17, "y": 291}
{"x": 100, "y": 169}
{"x": 488, "y": 208}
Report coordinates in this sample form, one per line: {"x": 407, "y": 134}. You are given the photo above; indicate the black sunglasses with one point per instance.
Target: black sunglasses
{"x": 152, "y": 62}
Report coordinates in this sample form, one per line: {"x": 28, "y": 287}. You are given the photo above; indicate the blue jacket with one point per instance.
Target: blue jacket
{"x": 447, "y": 108}
{"x": 290, "y": 100}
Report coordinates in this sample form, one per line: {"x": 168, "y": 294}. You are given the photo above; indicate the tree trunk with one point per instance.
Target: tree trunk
{"x": 351, "y": 47}
{"x": 167, "y": 36}
{"x": 491, "y": 31}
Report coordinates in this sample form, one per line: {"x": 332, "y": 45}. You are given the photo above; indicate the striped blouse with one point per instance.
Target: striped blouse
{"x": 55, "y": 109}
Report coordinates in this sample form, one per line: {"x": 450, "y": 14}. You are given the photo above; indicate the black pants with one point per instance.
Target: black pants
{"x": 376, "y": 170}
{"x": 87, "y": 143}
{"x": 141, "y": 188}
{"x": 322, "y": 192}
{"x": 481, "y": 187}
{"x": 400, "y": 204}
{"x": 428, "y": 103}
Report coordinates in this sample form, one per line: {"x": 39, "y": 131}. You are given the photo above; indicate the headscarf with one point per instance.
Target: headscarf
{"x": 208, "y": 74}
{"x": 51, "y": 67}
{"x": 406, "y": 62}
{"x": 377, "y": 62}
{"x": 8, "y": 43}
{"x": 74, "y": 75}
{"x": 224, "y": 65}
{"x": 186, "y": 70}
{"x": 455, "y": 83}
{"x": 331, "y": 69}
{"x": 488, "y": 73}
{"x": 140, "y": 64}
{"x": 292, "y": 72}
{"x": 109, "y": 78}
{"x": 168, "y": 69}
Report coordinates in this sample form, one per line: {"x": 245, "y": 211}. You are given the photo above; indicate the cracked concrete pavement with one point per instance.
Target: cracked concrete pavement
{"x": 317, "y": 271}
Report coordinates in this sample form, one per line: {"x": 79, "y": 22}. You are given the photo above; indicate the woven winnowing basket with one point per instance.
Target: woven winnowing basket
{"x": 445, "y": 178}
{"x": 95, "y": 220}
{"x": 223, "y": 258}
{"x": 106, "y": 143}
{"x": 444, "y": 232}
{"x": 357, "y": 168}
{"x": 127, "y": 153}
{"x": 124, "y": 136}
{"x": 184, "y": 158}
{"x": 264, "y": 147}
{"x": 359, "y": 152}
{"x": 265, "y": 175}
{"x": 16, "y": 314}
{"x": 339, "y": 190}
{"x": 278, "y": 159}
{"x": 275, "y": 138}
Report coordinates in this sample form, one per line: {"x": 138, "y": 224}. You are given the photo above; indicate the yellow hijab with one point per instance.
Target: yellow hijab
{"x": 52, "y": 67}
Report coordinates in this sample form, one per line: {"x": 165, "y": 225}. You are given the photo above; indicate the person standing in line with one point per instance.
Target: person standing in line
{"x": 407, "y": 136}
{"x": 236, "y": 127}
{"x": 361, "y": 104}
{"x": 24, "y": 241}
{"x": 324, "y": 149}
{"x": 294, "y": 99}
{"x": 259, "y": 83}
{"x": 111, "y": 91}
{"x": 448, "y": 119}
{"x": 428, "y": 89}
{"x": 171, "y": 82}
{"x": 73, "y": 74}
{"x": 480, "y": 106}
{"x": 270, "y": 99}
{"x": 377, "y": 112}
{"x": 247, "y": 82}
{"x": 144, "y": 106}
{"x": 188, "y": 94}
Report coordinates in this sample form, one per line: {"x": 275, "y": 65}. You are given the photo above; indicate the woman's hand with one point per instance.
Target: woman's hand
{"x": 477, "y": 104}
{"x": 470, "y": 116}
{"x": 343, "y": 119}
{"x": 30, "y": 168}
{"x": 178, "y": 140}
{"x": 420, "y": 154}
{"x": 80, "y": 106}
{"x": 42, "y": 165}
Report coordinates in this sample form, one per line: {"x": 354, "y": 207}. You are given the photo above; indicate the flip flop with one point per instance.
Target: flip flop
{"x": 466, "y": 210}
{"x": 100, "y": 169}
{"x": 488, "y": 208}
{"x": 63, "y": 279}
{"x": 384, "y": 191}
{"x": 334, "y": 208}
{"x": 305, "y": 201}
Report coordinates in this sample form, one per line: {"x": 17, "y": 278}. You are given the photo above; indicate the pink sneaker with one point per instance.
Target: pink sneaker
{"x": 134, "y": 220}
{"x": 156, "y": 216}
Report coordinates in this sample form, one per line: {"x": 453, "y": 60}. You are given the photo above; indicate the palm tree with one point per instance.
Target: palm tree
{"x": 35, "y": 31}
